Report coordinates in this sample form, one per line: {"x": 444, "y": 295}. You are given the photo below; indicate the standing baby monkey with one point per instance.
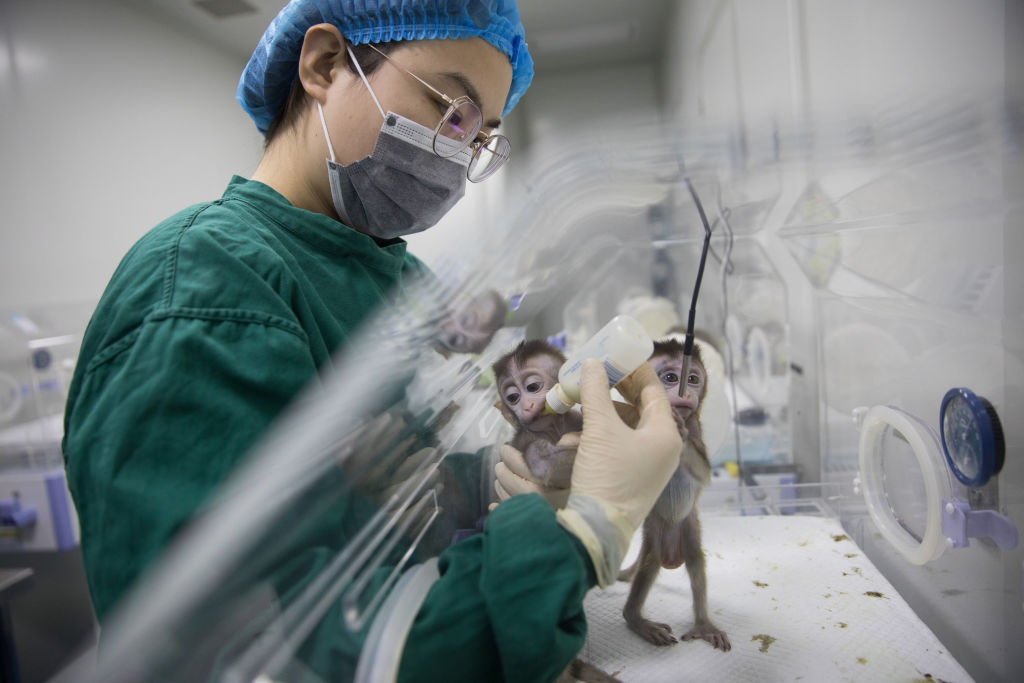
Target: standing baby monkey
{"x": 671, "y": 532}
{"x": 548, "y": 442}
{"x": 523, "y": 378}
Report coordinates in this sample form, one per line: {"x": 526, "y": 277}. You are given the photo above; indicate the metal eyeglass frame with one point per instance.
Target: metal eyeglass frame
{"x": 478, "y": 142}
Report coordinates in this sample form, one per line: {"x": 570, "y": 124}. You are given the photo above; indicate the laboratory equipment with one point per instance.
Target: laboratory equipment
{"x": 52, "y": 618}
{"x": 830, "y": 521}
{"x": 37, "y": 356}
{"x": 692, "y": 316}
{"x": 972, "y": 437}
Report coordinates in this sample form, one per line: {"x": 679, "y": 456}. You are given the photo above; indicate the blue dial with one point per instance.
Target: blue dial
{"x": 972, "y": 437}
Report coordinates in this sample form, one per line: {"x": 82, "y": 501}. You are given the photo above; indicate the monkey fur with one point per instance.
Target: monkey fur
{"x": 523, "y": 378}
{"x": 671, "y": 532}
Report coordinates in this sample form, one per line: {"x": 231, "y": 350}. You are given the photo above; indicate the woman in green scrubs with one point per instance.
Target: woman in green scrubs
{"x": 218, "y": 317}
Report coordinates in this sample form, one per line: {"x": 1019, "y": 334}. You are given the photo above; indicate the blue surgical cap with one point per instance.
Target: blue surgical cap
{"x": 273, "y": 67}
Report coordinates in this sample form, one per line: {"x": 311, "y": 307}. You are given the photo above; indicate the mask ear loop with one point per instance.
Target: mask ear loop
{"x": 323, "y": 122}
{"x": 330, "y": 147}
{"x": 363, "y": 76}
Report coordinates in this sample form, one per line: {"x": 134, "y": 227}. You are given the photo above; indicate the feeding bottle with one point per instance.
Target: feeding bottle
{"x": 621, "y": 346}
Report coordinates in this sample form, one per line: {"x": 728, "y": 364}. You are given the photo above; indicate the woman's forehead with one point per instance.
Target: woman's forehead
{"x": 475, "y": 60}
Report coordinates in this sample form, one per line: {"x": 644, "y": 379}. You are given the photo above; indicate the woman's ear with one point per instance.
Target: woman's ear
{"x": 323, "y": 51}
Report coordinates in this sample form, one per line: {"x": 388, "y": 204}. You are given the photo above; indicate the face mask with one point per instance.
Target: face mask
{"x": 403, "y": 187}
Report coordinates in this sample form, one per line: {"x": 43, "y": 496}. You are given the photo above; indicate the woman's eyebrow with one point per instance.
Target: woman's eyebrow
{"x": 471, "y": 92}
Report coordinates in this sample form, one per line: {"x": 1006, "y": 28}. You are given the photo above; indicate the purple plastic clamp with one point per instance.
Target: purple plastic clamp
{"x": 558, "y": 341}
{"x": 12, "y": 514}
{"x": 960, "y": 523}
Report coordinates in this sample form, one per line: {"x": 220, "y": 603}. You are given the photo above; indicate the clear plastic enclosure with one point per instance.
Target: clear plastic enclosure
{"x": 846, "y": 269}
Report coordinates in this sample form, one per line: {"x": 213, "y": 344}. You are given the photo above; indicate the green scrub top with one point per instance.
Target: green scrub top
{"x": 212, "y": 323}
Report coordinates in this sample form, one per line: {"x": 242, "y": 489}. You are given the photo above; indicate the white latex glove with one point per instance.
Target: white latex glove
{"x": 619, "y": 471}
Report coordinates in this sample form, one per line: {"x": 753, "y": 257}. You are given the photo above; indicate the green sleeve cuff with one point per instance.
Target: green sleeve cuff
{"x": 509, "y": 603}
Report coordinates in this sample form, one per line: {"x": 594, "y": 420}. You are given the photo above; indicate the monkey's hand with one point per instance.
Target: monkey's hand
{"x": 619, "y": 471}
{"x": 513, "y": 476}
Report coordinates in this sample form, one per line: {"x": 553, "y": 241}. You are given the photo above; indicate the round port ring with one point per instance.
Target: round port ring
{"x": 925, "y": 446}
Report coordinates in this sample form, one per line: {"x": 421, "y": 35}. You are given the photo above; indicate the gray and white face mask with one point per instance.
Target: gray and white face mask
{"x": 403, "y": 187}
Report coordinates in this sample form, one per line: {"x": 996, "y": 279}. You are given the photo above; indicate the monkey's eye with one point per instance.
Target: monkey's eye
{"x": 512, "y": 397}
{"x": 455, "y": 341}
{"x": 694, "y": 378}
{"x": 533, "y": 383}
{"x": 669, "y": 378}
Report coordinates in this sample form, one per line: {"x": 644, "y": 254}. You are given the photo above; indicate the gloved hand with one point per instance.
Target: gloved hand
{"x": 512, "y": 475}
{"x": 619, "y": 471}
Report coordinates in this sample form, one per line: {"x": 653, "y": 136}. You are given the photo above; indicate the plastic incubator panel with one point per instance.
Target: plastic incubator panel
{"x": 390, "y": 459}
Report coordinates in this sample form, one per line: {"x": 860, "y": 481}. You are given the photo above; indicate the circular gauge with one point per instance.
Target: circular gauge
{"x": 904, "y": 481}
{"x": 972, "y": 437}
{"x": 41, "y": 359}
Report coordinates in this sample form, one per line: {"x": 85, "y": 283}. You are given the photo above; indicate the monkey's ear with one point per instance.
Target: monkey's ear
{"x": 506, "y": 413}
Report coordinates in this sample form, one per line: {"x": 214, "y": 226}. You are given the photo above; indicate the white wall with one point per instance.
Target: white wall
{"x": 564, "y": 102}
{"x": 111, "y": 120}
{"x": 760, "y": 61}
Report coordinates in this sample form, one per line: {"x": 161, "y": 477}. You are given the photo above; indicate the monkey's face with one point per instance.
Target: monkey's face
{"x": 470, "y": 329}
{"x": 669, "y": 369}
{"x": 523, "y": 391}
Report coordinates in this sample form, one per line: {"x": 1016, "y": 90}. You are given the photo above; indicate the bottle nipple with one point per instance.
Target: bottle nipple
{"x": 556, "y": 401}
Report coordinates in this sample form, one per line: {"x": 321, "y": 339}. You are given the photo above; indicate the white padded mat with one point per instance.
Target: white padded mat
{"x": 798, "y": 600}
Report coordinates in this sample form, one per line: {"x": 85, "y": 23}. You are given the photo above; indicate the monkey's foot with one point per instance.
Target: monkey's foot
{"x": 659, "y": 634}
{"x": 588, "y": 673}
{"x": 711, "y": 633}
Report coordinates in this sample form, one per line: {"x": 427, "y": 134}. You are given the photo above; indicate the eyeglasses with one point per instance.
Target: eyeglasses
{"x": 460, "y": 128}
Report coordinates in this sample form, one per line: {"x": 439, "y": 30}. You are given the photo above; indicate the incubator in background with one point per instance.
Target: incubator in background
{"x": 50, "y": 612}
{"x": 852, "y": 280}
{"x": 38, "y": 349}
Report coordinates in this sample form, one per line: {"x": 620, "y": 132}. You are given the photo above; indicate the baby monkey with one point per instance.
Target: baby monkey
{"x": 548, "y": 442}
{"x": 671, "y": 532}
{"x": 523, "y": 377}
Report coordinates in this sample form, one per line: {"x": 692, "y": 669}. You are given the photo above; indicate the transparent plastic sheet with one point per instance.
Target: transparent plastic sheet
{"x": 393, "y": 450}
{"x": 377, "y": 467}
